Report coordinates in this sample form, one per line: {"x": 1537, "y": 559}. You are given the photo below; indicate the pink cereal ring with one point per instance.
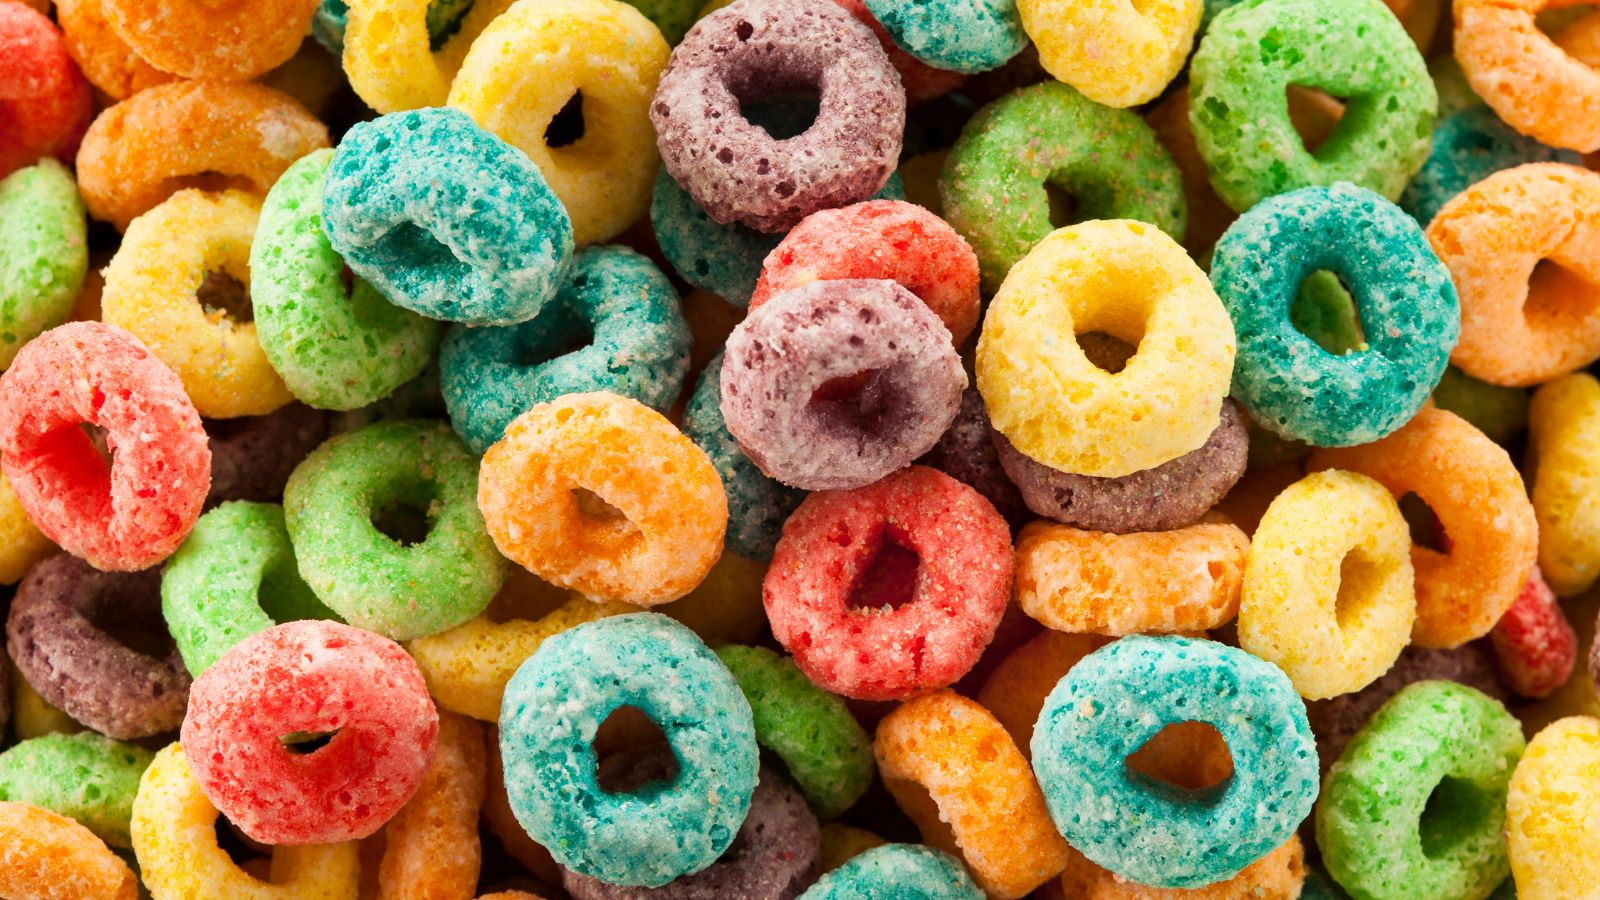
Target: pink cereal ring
{"x": 44, "y": 99}
{"x": 1533, "y": 642}
{"x": 134, "y": 511}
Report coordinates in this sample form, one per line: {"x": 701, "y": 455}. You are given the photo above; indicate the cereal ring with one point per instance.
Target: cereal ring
{"x": 56, "y": 634}
{"x": 835, "y": 384}
{"x": 1281, "y": 873}
{"x": 392, "y": 202}
{"x": 1407, "y": 303}
{"x": 966, "y": 36}
{"x": 431, "y": 845}
{"x": 555, "y": 703}
{"x": 1564, "y": 438}
{"x": 1499, "y": 412}
{"x": 658, "y": 526}
{"x": 1415, "y": 806}
{"x": 1253, "y": 51}
{"x": 33, "y": 717}
{"x": 333, "y": 17}
{"x": 87, "y": 777}
{"x": 47, "y": 856}
{"x": 1139, "y": 828}
{"x": 106, "y": 59}
{"x": 1553, "y": 812}
{"x": 966, "y": 453}
{"x": 896, "y": 872}
{"x": 389, "y": 54}
{"x": 420, "y": 583}
{"x": 638, "y": 347}
{"x": 1468, "y": 147}
{"x": 1016, "y": 690}
{"x": 253, "y": 456}
{"x": 747, "y": 52}
{"x": 21, "y": 545}
{"x": 852, "y": 642}
{"x": 842, "y": 843}
{"x": 1118, "y": 54}
{"x": 1125, "y": 278}
{"x": 335, "y": 347}
{"x": 44, "y": 252}
{"x": 45, "y": 102}
{"x": 203, "y": 134}
{"x": 1536, "y": 86}
{"x": 921, "y": 81}
{"x": 194, "y": 40}
{"x": 1522, "y": 323}
{"x": 603, "y": 176}
{"x": 1533, "y": 642}
{"x": 1473, "y": 487}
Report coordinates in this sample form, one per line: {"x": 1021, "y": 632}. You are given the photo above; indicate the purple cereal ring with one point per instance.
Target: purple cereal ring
{"x": 57, "y": 637}
{"x": 753, "y": 50}
{"x": 1171, "y": 495}
{"x": 252, "y": 456}
{"x": 835, "y": 384}
{"x": 966, "y": 454}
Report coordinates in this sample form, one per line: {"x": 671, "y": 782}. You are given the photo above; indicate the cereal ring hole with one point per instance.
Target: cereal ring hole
{"x": 785, "y": 116}
{"x": 1063, "y": 205}
{"x": 1559, "y": 297}
{"x": 305, "y": 743}
{"x": 627, "y": 736}
{"x": 1360, "y": 581}
{"x": 1190, "y": 757}
{"x": 136, "y": 632}
{"x": 889, "y": 579}
{"x": 1427, "y": 530}
{"x": 567, "y": 125}
{"x": 405, "y": 520}
{"x": 247, "y": 854}
{"x": 600, "y": 514}
{"x": 862, "y": 403}
{"x": 1455, "y": 811}
{"x": 221, "y": 294}
{"x": 1325, "y": 311}
{"x": 410, "y": 245}
{"x": 1315, "y": 115}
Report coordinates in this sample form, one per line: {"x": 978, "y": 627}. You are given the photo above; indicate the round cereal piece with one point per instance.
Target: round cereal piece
{"x": 1415, "y": 806}
{"x": 44, "y": 252}
{"x": 87, "y": 777}
{"x": 1553, "y": 811}
{"x": 1119, "y": 54}
{"x": 392, "y": 200}
{"x": 1281, "y": 873}
{"x": 1534, "y": 644}
{"x": 433, "y": 573}
{"x": 1328, "y": 594}
{"x": 904, "y": 635}
{"x": 1349, "y": 48}
{"x": 966, "y": 453}
{"x": 553, "y": 707}
{"x": 1523, "y": 323}
{"x": 896, "y": 872}
{"x": 431, "y": 846}
{"x": 1132, "y": 281}
{"x": 45, "y": 102}
{"x": 196, "y": 40}
{"x": 1469, "y": 146}
{"x": 603, "y": 177}
{"x": 45, "y": 855}
{"x": 1015, "y": 692}
{"x": 333, "y": 17}
{"x": 336, "y": 347}
{"x": 750, "y": 51}
{"x": 1115, "y": 700}
{"x": 1474, "y": 490}
{"x": 613, "y": 298}
{"x": 106, "y": 59}
{"x": 389, "y": 52}
{"x": 1530, "y": 81}
{"x": 253, "y": 456}
{"x": 1408, "y": 307}
{"x": 21, "y": 545}
{"x": 966, "y": 36}
{"x": 921, "y": 81}
{"x": 1499, "y": 412}
{"x": 190, "y": 134}
{"x": 1564, "y": 440}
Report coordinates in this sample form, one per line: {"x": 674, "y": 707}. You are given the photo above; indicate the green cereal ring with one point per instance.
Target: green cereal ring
{"x": 234, "y": 575}
{"x": 44, "y": 252}
{"x": 828, "y": 754}
{"x": 1350, "y": 48}
{"x": 1416, "y": 804}
{"x": 84, "y": 776}
{"x": 417, "y": 479}
{"x": 1499, "y": 412}
{"x": 672, "y": 17}
{"x": 994, "y": 182}
{"x": 336, "y": 347}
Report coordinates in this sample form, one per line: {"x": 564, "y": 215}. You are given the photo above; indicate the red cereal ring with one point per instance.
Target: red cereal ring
{"x": 1533, "y": 642}
{"x": 133, "y": 511}
{"x": 891, "y": 589}
{"x": 204, "y": 39}
{"x": 44, "y": 99}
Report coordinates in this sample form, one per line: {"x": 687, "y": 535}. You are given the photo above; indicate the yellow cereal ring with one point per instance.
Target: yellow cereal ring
{"x": 389, "y": 56}
{"x": 21, "y": 542}
{"x": 31, "y": 715}
{"x": 1115, "y": 52}
{"x": 1130, "y": 280}
{"x": 1564, "y": 437}
{"x": 842, "y": 843}
{"x": 726, "y": 607}
{"x": 47, "y": 856}
{"x": 602, "y": 51}
{"x": 175, "y": 839}
{"x": 1553, "y": 813}
{"x": 1328, "y": 595}
{"x": 151, "y": 288}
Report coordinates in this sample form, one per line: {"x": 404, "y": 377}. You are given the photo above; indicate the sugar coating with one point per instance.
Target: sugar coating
{"x": 328, "y": 25}
{"x": 897, "y": 872}
{"x": 190, "y": 40}
{"x": 44, "y": 252}
{"x": 1281, "y": 873}
{"x": 966, "y": 453}
{"x": 88, "y": 777}
{"x": 389, "y": 56}
{"x": 1553, "y": 811}
{"x": 105, "y": 58}
{"x": 555, "y": 704}
{"x": 41, "y": 847}
{"x": 446, "y": 219}
{"x": 1499, "y": 412}
{"x": 253, "y": 456}
{"x": 1116, "y": 53}
{"x": 1114, "y": 700}
{"x": 1530, "y": 80}
{"x": 1436, "y": 745}
{"x": 1534, "y": 644}
{"x": 967, "y": 36}
{"x": 47, "y": 100}
{"x": 921, "y": 81}
{"x": 1564, "y": 434}
{"x": 1469, "y": 146}
{"x": 638, "y": 347}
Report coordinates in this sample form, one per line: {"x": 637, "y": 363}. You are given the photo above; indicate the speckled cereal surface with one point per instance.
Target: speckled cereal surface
{"x": 897, "y": 872}
{"x": 1553, "y": 812}
{"x": 44, "y": 252}
{"x": 87, "y": 776}
{"x": 1469, "y": 146}
{"x": 957, "y": 35}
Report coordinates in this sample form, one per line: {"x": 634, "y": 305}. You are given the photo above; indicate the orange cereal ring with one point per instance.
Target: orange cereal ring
{"x": 202, "y": 134}
{"x": 1277, "y": 876}
{"x": 1522, "y": 323}
{"x": 1016, "y": 689}
{"x": 47, "y": 856}
{"x": 1534, "y": 85}
{"x": 956, "y": 772}
{"x": 389, "y": 55}
{"x": 1477, "y": 494}
{"x": 229, "y": 41}
{"x": 105, "y": 58}
{"x": 431, "y": 845}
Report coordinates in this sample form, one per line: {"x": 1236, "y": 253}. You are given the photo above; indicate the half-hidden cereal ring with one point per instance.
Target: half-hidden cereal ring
{"x": 1551, "y": 818}
{"x": 1281, "y": 873}
{"x": 392, "y": 202}
{"x": 1288, "y": 382}
{"x": 1523, "y": 323}
{"x": 967, "y": 453}
{"x": 252, "y": 457}
{"x": 948, "y": 760}
{"x": 1469, "y": 146}
{"x": 604, "y": 176}
{"x": 1524, "y": 76}
{"x": 884, "y": 650}
{"x": 1474, "y": 489}
{"x": 966, "y": 36}
{"x": 1564, "y": 440}
{"x": 389, "y": 55}
{"x": 128, "y": 513}
{"x": 431, "y": 846}
{"x": 86, "y": 776}
{"x": 196, "y": 40}
{"x": 557, "y": 701}
{"x": 1132, "y": 281}
{"x": 1254, "y": 51}
{"x": 45, "y": 855}
{"x": 1115, "y": 700}
{"x": 1119, "y": 54}
{"x": 57, "y": 638}
{"x": 900, "y": 871}
{"x": 31, "y": 715}
{"x": 21, "y": 544}
{"x": 1534, "y": 645}
{"x": 45, "y": 102}
{"x": 1015, "y": 691}
{"x": 1328, "y": 595}
{"x": 333, "y": 17}
{"x": 44, "y": 252}
{"x": 106, "y": 59}
{"x": 1186, "y": 580}
{"x": 835, "y": 384}
{"x": 190, "y": 134}
{"x": 921, "y": 81}
{"x": 754, "y": 49}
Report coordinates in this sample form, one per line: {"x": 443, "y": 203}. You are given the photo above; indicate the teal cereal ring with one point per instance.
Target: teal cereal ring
{"x": 1468, "y": 147}
{"x": 1408, "y": 307}
{"x": 84, "y": 776}
{"x": 994, "y": 182}
{"x": 1117, "y": 698}
{"x": 967, "y": 36}
{"x": 440, "y": 570}
{"x": 44, "y": 252}
{"x": 1253, "y": 52}
{"x": 1416, "y": 804}
{"x": 828, "y": 754}
{"x": 615, "y": 306}
{"x": 235, "y": 575}
{"x": 897, "y": 872}
{"x": 335, "y": 347}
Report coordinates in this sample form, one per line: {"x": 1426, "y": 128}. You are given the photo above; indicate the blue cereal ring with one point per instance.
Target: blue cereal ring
{"x": 896, "y": 872}
{"x": 445, "y": 219}
{"x": 1143, "y": 829}
{"x": 555, "y": 703}
{"x": 1468, "y": 147}
{"x": 1410, "y": 314}
{"x": 615, "y": 300}
{"x": 967, "y": 36}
